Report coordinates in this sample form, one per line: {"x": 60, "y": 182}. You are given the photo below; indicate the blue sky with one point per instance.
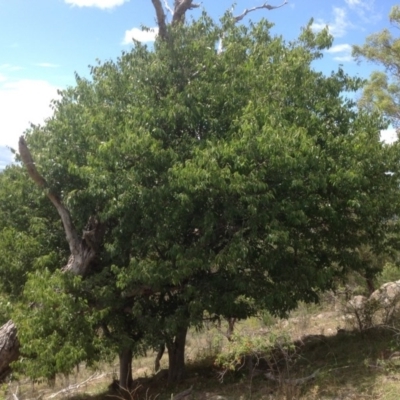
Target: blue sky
{"x": 43, "y": 42}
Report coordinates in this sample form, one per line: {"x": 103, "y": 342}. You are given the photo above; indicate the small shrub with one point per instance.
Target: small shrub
{"x": 267, "y": 319}
{"x": 248, "y": 350}
{"x": 390, "y": 273}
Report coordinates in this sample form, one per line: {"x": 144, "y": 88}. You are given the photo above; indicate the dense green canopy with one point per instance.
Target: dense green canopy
{"x": 226, "y": 182}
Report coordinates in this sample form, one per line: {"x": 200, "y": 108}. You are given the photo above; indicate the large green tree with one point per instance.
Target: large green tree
{"x": 204, "y": 181}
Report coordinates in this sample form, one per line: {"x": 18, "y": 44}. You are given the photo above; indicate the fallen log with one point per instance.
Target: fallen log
{"x": 293, "y": 382}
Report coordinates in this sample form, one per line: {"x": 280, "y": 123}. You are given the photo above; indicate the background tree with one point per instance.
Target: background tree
{"x": 382, "y": 91}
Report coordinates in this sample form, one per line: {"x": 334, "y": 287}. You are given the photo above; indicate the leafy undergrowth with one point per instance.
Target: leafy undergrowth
{"x": 344, "y": 364}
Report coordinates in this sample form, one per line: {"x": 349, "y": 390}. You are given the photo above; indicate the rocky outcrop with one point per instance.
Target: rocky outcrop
{"x": 381, "y": 307}
{"x": 9, "y": 348}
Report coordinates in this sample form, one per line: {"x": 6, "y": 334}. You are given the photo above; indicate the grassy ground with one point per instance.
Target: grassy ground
{"x": 346, "y": 364}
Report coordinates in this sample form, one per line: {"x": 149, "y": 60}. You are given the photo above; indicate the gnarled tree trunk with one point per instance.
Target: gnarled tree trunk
{"x": 83, "y": 248}
{"x": 9, "y": 348}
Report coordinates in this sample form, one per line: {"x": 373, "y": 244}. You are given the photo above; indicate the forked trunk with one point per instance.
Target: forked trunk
{"x": 176, "y": 356}
{"x": 125, "y": 370}
{"x": 9, "y": 348}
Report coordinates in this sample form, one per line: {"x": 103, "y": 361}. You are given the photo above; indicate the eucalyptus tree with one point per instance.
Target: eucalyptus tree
{"x": 382, "y": 91}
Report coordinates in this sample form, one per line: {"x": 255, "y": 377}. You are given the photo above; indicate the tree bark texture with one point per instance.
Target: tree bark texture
{"x": 9, "y": 348}
{"x": 176, "y": 356}
{"x": 125, "y": 370}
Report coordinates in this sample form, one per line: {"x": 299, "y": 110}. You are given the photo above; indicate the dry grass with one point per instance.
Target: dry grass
{"x": 351, "y": 365}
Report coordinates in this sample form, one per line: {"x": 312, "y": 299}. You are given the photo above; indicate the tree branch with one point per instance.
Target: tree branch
{"x": 72, "y": 237}
{"x": 83, "y": 250}
{"x": 169, "y": 9}
{"x": 264, "y": 6}
{"x": 180, "y": 8}
{"x": 161, "y": 19}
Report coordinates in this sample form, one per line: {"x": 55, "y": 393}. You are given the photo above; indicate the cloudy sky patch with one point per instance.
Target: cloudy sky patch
{"x": 21, "y": 103}
{"x": 102, "y": 4}
{"x": 140, "y": 35}
{"x": 341, "y": 52}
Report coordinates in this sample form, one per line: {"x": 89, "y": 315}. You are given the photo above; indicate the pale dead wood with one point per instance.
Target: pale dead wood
{"x": 83, "y": 249}
{"x": 264, "y": 6}
{"x": 76, "y": 386}
{"x": 72, "y": 237}
{"x": 169, "y": 9}
{"x": 183, "y": 394}
{"x": 293, "y": 382}
{"x": 180, "y": 8}
{"x": 178, "y": 14}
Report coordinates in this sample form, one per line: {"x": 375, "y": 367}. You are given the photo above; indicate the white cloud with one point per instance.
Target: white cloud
{"x": 364, "y": 10}
{"x": 353, "y": 3}
{"x": 346, "y": 58}
{"x": 339, "y": 48}
{"x": 140, "y": 35}
{"x": 357, "y": 4}
{"x": 342, "y": 51}
{"x": 389, "y": 135}
{"x": 103, "y": 4}
{"x": 10, "y": 67}
{"x": 338, "y": 27}
{"x": 22, "y": 102}
{"x": 47, "y": 65}
{"x": 3, "y": 78}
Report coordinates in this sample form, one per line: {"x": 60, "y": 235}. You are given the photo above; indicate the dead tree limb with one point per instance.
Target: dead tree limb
{"x": 293, "y": 382}
{"x": 264, "y": 6}
{"x": 161, "y": 19}
{"x": 168, "y": 8}
{"x": 83, "y": 249}
{"x": 180, "y": 8}
{"x": 178, "y": 14}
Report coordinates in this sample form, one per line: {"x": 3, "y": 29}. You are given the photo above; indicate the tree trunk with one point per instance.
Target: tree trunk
{"x": 176, "y": 356}
{"x": 125, "y": 370}
{"x": 9, "y": 348}
{"x": 160, "y": 353}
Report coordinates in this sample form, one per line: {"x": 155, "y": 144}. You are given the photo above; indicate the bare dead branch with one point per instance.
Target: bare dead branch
{"x": 168, "y": 8}
{"x": 180, "y": 8}
{"x": 161, "y": 19}
{"x": 264, "y": 6}
{"x": 29, "y": 164}
{"x": 72, "y": 237}
{"x": 83, "y": 250}
{"x": 72, "y": 388}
